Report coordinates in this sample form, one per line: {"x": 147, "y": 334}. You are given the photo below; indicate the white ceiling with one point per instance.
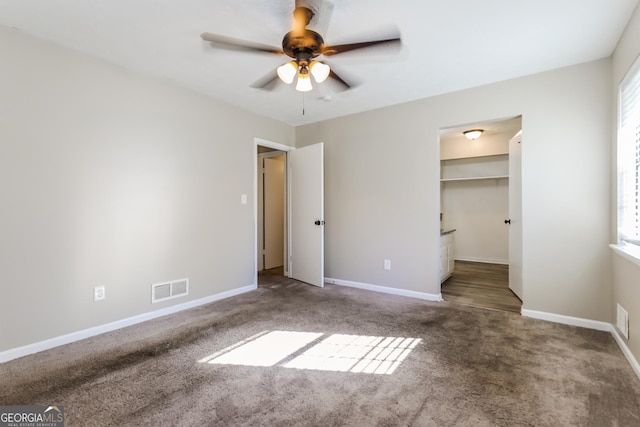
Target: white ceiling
{"x": 447, "y": 45}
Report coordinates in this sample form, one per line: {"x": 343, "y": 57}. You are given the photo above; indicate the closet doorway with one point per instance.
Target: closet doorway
{"x": 480, "y": 205}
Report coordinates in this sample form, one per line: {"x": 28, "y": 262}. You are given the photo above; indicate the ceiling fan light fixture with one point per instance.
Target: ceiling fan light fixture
{"x": 304, "y": 83}
{"x": 319, "y": 71}
{"x": 287, "y": 72}
{"x": 473, "y": 133}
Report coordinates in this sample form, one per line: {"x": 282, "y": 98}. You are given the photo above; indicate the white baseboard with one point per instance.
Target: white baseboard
{"x": 15, "y": 353}
{"x": 626, "y": 351}
{"x": 483, "y": 260}
{"x": 567, "y": 320}
{"x": 590, "y": 324}
{"x": 384, "y": 289}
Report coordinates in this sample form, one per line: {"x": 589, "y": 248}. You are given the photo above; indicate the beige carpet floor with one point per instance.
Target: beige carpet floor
{"x": 289, "y": 354}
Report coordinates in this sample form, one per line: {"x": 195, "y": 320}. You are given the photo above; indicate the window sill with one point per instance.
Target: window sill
{"x": 630, "y": 252}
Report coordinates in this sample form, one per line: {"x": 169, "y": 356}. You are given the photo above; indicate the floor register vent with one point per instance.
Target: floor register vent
{"x": 169, "y": 290}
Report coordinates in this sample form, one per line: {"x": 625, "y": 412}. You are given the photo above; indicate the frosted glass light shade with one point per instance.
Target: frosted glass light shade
{"x": 304, "y": 83}
{"x": 319, "y": 71}
{"x": 287, "y": 72}
{"x": 473, "y": 134}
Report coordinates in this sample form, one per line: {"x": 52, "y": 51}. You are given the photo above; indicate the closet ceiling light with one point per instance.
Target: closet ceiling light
{"x": 473, "y": 133}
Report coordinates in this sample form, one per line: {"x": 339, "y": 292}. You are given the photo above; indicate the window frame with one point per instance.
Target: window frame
{"x": 628, "y": 165}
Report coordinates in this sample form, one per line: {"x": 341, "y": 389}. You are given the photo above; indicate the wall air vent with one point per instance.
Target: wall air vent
{"x": 622, "y": 321}
{"x": 169, "y": 290}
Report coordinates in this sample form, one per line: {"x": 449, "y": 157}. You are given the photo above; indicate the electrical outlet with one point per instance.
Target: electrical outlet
{"x": 243, "y": 199}
{"x": 387, "y": 264}
{"x": 99, "y": 293}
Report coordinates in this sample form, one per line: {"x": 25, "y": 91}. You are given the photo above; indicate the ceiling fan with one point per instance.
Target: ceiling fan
{"x": 303, "y": 46}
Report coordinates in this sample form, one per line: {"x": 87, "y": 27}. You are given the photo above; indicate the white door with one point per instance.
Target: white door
{"x": 306, "y": 172}
{"x": 515, "y": 215}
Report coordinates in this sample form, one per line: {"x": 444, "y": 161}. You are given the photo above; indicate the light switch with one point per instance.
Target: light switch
{"x": 243, "y": 199}
{"x": 387, "y": 264}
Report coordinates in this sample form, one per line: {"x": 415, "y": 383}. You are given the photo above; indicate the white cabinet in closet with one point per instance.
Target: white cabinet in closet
{"x": 447, "y": 254}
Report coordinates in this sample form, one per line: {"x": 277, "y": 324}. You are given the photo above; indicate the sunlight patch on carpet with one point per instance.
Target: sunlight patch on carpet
{"x": 264, "y": 349}
{"x": 318, "y": 351}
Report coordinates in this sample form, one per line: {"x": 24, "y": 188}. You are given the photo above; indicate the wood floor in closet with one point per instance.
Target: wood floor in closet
{"x": 481, "y": 285}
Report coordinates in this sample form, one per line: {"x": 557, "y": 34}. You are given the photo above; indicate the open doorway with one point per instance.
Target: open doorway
{"x": 480, "y": 225}
{"x": 271, "y": 209}
{"x": 304, "y": 213}
{"x": 271, "y": 214}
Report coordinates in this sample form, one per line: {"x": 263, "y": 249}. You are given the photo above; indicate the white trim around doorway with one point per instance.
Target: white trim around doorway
{"x": 276, "y": 146}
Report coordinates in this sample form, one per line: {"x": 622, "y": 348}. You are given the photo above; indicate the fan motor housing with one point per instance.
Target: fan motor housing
{"x": 309, "y": 43}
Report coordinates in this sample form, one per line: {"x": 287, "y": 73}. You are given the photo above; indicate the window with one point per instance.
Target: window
{"x": 629, "y": 160}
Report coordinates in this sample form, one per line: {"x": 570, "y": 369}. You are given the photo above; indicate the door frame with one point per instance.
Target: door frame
{"x": 522, "y": 131}
{"x": 261, "y": 158}
{"x": 515, "y": 228}
{"x": 280, "y": 147}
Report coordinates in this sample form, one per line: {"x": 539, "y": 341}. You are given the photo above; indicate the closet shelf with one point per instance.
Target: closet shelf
{"x": 475, "y": 178}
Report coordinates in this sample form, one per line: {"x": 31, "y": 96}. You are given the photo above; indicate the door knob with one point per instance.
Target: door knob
{"x": 318, "y": 222}
{"x": 507, "y": 221}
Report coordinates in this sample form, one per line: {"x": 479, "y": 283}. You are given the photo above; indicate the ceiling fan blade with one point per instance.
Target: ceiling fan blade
{"x": 266, "y": 82}
{"x": 340, "y": 80}
{"x": 237, "y": 43}
{"x": 341, "y": 48}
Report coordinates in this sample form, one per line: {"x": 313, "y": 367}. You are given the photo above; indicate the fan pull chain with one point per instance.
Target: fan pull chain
{"x": 303, "y": 103}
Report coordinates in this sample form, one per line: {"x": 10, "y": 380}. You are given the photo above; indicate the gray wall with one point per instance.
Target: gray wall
{"x": 382, "y": 187}
{"x": 626, "y": 274}
{"x": 108, "y": 178}
{"x": 477, "y": 210}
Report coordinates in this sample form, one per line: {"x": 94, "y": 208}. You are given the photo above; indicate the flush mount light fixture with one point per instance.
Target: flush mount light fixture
{"x": 473, "y": 133}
